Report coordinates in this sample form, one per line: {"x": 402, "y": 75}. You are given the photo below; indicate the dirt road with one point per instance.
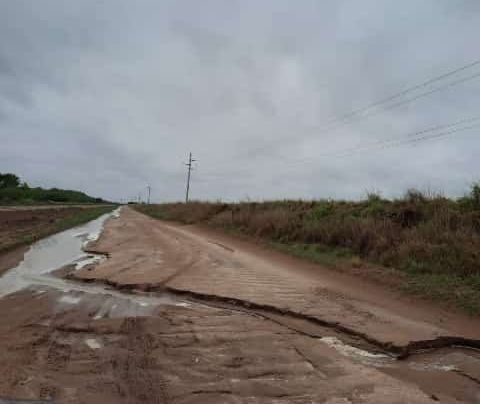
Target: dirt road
{"x": 179, "y": 314}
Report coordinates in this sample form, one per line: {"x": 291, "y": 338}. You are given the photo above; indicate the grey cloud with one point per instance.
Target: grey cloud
{"x": 109, "y": 96}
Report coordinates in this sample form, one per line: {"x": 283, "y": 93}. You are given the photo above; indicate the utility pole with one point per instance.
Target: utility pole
{"x": 189, "y": 165}
{"x": 149, "y": 190}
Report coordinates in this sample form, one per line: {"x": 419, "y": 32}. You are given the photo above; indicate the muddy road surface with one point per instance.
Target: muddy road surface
{"x": 153, "y": 312}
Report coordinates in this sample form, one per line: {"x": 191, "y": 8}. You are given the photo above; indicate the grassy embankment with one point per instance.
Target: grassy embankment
{"x": 74, "y": 218}
{"x": 427, "y": 245}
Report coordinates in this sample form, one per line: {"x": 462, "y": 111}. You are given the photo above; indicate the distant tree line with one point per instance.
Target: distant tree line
{"x": 13, "y": 190}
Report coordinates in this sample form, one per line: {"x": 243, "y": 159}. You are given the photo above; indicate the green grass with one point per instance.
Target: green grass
{"x": 323, "y": 255}
{"x": 84, "y": 216}
{"x": 76, "y": 219}
{"x": 463, "y": 292}
{"x": 152, "y": 211}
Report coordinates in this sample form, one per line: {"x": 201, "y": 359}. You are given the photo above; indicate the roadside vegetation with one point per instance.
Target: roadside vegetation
{"x": 24, "y": 227}
{"x": 426, "y": 244}
{"x": 15, "y": 192}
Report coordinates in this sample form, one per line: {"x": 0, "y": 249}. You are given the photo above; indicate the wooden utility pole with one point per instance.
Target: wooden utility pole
{"x": 189, "y": 165}
{"x": 149, "y": 190}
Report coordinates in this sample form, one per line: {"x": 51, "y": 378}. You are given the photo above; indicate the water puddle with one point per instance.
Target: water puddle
{"x": 78, "y": 293}
{"x": 70, "y": 299}
{"x": 366, "y": 357}
{"x": 453, "y": 361}
{"x": 91, "y": 259}
{"x": 66, "y": 248}
{"x": 52, "y": 253}
{"x": 93, "y": 343}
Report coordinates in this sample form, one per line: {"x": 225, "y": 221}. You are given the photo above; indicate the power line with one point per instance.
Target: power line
{"x": 415, "y": 140}
{"x": 413, "y": 137}
{"x": 402, "y": 142}
{"x": 404, "y": 102}
{"x": 359, "y": 113}
{"x": 363, "y": 111}
{"x": 435, "y": 90}
{"x": 406, "y": 91}
{"x": 427, "y": 137}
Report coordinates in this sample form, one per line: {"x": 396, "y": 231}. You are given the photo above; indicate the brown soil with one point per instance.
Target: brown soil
{"x": 11, "y": 258}
{"x": 15, "y": 224}
{"x": 237, "y": 324}
{"x": 58, "y": 350}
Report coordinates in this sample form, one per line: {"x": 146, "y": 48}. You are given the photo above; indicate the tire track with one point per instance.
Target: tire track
{"x": 137, "y": 379}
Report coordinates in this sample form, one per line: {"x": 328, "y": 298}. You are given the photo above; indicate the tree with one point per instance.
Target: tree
{"x": 9, "y": 180}
{"x": 475, "y": 195}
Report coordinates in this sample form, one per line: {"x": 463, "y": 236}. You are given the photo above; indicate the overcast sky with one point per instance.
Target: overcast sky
{"x": 107, "y": 96}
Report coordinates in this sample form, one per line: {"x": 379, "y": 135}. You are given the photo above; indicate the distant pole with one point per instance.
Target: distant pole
{"x": 189, "y": 165}
{"x": 149, "y": 190}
